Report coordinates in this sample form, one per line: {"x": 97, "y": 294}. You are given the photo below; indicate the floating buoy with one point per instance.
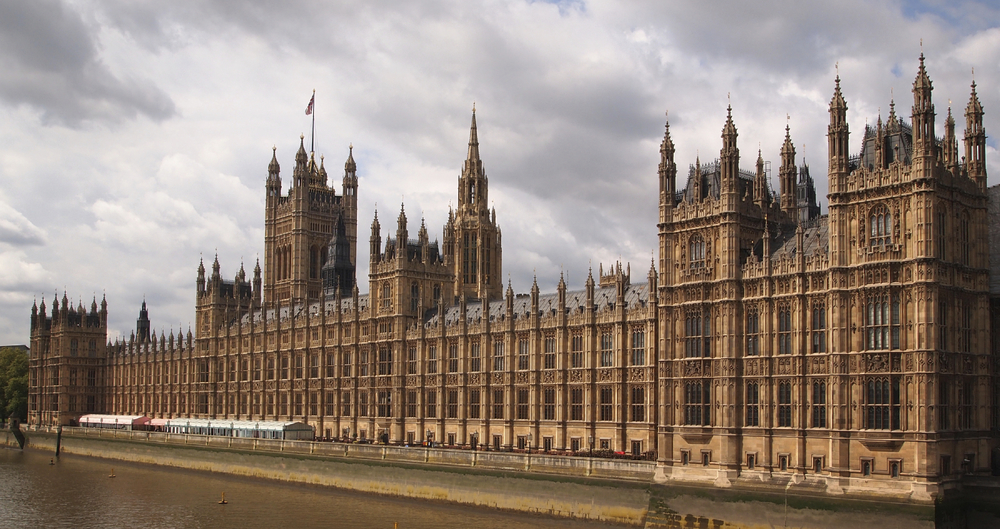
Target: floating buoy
{"x": 223, "y": 500}
{"x": 112, "y": 473}
{"x": 52, "y": 461}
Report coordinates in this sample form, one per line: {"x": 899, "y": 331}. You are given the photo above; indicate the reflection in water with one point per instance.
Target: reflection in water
{"x": 77, "y": 492}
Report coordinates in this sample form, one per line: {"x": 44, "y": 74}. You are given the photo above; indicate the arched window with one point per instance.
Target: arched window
{"x": 785, "y": 330}
{"x": 882, "y": 403}
{"x": 880, "y": 226}
{"x": 784, "y": 404}
{"x": 753, "y": 333}
{"x": 414, "y": 296}
{"x": 752, "y": 415}
{"x": 697, "y": 252}
{"x": 386, "y": 295}
{"x": 882, "y": 322}
{"x": 964, "y": 243}
{"x": 819, "y": 405}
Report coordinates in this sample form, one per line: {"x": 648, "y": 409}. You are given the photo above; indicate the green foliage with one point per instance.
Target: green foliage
{"x": 13, "y": 383}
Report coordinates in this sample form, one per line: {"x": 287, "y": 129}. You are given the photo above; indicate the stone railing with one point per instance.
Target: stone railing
{"x": 630, "y": 470}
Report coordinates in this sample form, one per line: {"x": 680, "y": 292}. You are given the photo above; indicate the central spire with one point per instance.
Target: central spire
{"x": 473, "y": 138}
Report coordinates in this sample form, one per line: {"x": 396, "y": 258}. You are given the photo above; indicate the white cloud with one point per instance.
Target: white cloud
{"x": 170, "y": 110}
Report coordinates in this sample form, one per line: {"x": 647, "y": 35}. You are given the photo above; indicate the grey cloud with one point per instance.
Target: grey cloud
{"x": 51, "y": 61}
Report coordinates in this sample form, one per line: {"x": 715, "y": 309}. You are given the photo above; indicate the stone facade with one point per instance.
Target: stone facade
{"x": 768, "y": 343}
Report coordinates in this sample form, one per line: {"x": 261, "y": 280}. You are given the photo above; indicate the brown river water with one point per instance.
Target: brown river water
{"x": 77, "y": 492}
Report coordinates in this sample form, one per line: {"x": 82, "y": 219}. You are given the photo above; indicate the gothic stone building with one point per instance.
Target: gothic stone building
{"x": 850, "y": 350}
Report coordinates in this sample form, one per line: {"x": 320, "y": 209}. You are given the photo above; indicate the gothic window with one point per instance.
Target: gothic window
{"x": 347, "y": 365}
{"x": 411, "y": 360}
{"x": 882, "y": 321}
{"x": 386, "y": 295}
{"x": 522, "y": 404}
{"x": 638, "y": 404}
{"x": 498, "y": 404}
{"x": 607, "y": 407}
{"x": 697, "y": 252}
{"x": 549, "y": 404}
{"x": 784, "y": 404}
{"x": 785, "y": 330}
{"x": 469, "y": 256}
{"x": 752, "y": 415}
{"x": 313, "y": 366}
{"x": 880, "y": 226}
{"x": 964, "y": 244}
{"x": 943, "y": 403}
{"x": 697, "y": 333}
{"x": 414, "y": 297}
{"x": 453, "y": 358}
{"x": 411, "y": 403}
{"x": 697, "y": 403}
{"x": 362, "y": 403}
{"x": 475, "y": 362}
{"x": 384, "y": 360}
{"x": 966, "y": 405}
{"x": 452, "y": 404}
{"x": 550, "y": 352}
{"x": 384, "y": 403}
{"x": 576, "y": 355}
{"x": 73, "y": 347}
{"x": 753, "y": 332}
{"x": 437, "y": 294}
{"x": 363, "y": 363}
{"x": 498, "y": 357}
{"x": 607, "y": 350}
{"x": 576, "y": 404}
{"x": 942, "y": 234}
{"x": 942, "y": 325}
{"x": 431, "y": 404}
{"x": 638, "y": 347}
{"x": 819, "y": 405}
{"x": 965, "y": 328}
{"x": 432, "y": 359}
{"x": 819, "y": 328}
{"x": 522, "y": 354}
{"x": 881, "y": 410}
{"x": 474, "y": 404}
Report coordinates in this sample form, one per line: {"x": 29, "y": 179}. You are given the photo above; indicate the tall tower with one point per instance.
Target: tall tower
{"x": 299, "y": 227}
{"x": 975, "y": 140}
{"x": 472, "y": 238}
{"x": 788, "y": 176}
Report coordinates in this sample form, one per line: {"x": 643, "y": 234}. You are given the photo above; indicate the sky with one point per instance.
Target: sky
{"x": 135, "y": 136}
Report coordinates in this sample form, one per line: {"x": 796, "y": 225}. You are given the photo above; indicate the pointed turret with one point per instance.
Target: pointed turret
{"x": 729, "y": 157}
{"x": 216, "y": 276}
{"x": 838, "y": 135}
{"x": 975, "y": 140}
{"x": 473, "y": 154}
{"x": 201, "y": 276}
{"x": 376, "y": 239}
{"x": 788, "y": 175}
{"x": 923, "y": 118}
{"x": 350, "y": 184}
{"x": 256, "y": 284}
{"x": 760, "y": 195}
{"x": 142, "y": 324}
{"x": 667, "y": 172}
{"x": 301, "y": 162}
{"x": 949, "y": 147}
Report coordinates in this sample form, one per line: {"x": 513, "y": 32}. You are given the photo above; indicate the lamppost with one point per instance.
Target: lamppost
{"x": 428, "y": 438}
{"x": 475, "y": 439}
{"x": 591, "y": 446}
{"x": 529, "y": 443}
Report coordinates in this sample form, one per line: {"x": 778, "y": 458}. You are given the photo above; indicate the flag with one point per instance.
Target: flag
{"x": 312, "y": 103}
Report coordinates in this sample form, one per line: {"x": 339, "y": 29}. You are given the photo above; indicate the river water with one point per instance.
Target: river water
{"x": 76, "y": 492}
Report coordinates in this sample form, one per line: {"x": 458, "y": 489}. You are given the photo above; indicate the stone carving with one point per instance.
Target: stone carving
{"x": 751, "y": 367}
{"x": 692, "y": 368}
{"x": 452, "y": 380}
{"x": 784, "y": 366}
{"x": 497, "y": 378}
{"x": 475, "y": 379}
{"x": 548, "y": 377}
{"x": 605, "y": 375}
{"x": 576, "y": 375}
{"x": 521, "y": 378}
{"x": 876, "y": 362}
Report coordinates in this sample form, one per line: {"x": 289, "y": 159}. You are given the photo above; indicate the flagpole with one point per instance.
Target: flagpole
{"x": 312, "y": 137}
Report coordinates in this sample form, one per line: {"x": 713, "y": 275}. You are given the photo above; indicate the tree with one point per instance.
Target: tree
{"x": 13, "y": 383}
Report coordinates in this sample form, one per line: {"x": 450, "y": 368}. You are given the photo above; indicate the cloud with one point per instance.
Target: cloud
{"x": 51, "y": 62}
{"x": 17, "y": 230}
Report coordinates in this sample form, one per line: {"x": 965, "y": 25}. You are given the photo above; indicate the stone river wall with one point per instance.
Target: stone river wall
{"x": 579, "y": 487}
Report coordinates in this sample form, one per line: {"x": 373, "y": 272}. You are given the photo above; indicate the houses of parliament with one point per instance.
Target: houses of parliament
{"x": 851, "y": 350}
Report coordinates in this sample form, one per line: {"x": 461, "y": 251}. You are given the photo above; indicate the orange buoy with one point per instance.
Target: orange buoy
{"x": 223, "y": 500}
{"x": 112, "y": 473}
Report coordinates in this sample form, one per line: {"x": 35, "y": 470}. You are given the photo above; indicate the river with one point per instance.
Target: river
{"x": 77, "y": 492}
